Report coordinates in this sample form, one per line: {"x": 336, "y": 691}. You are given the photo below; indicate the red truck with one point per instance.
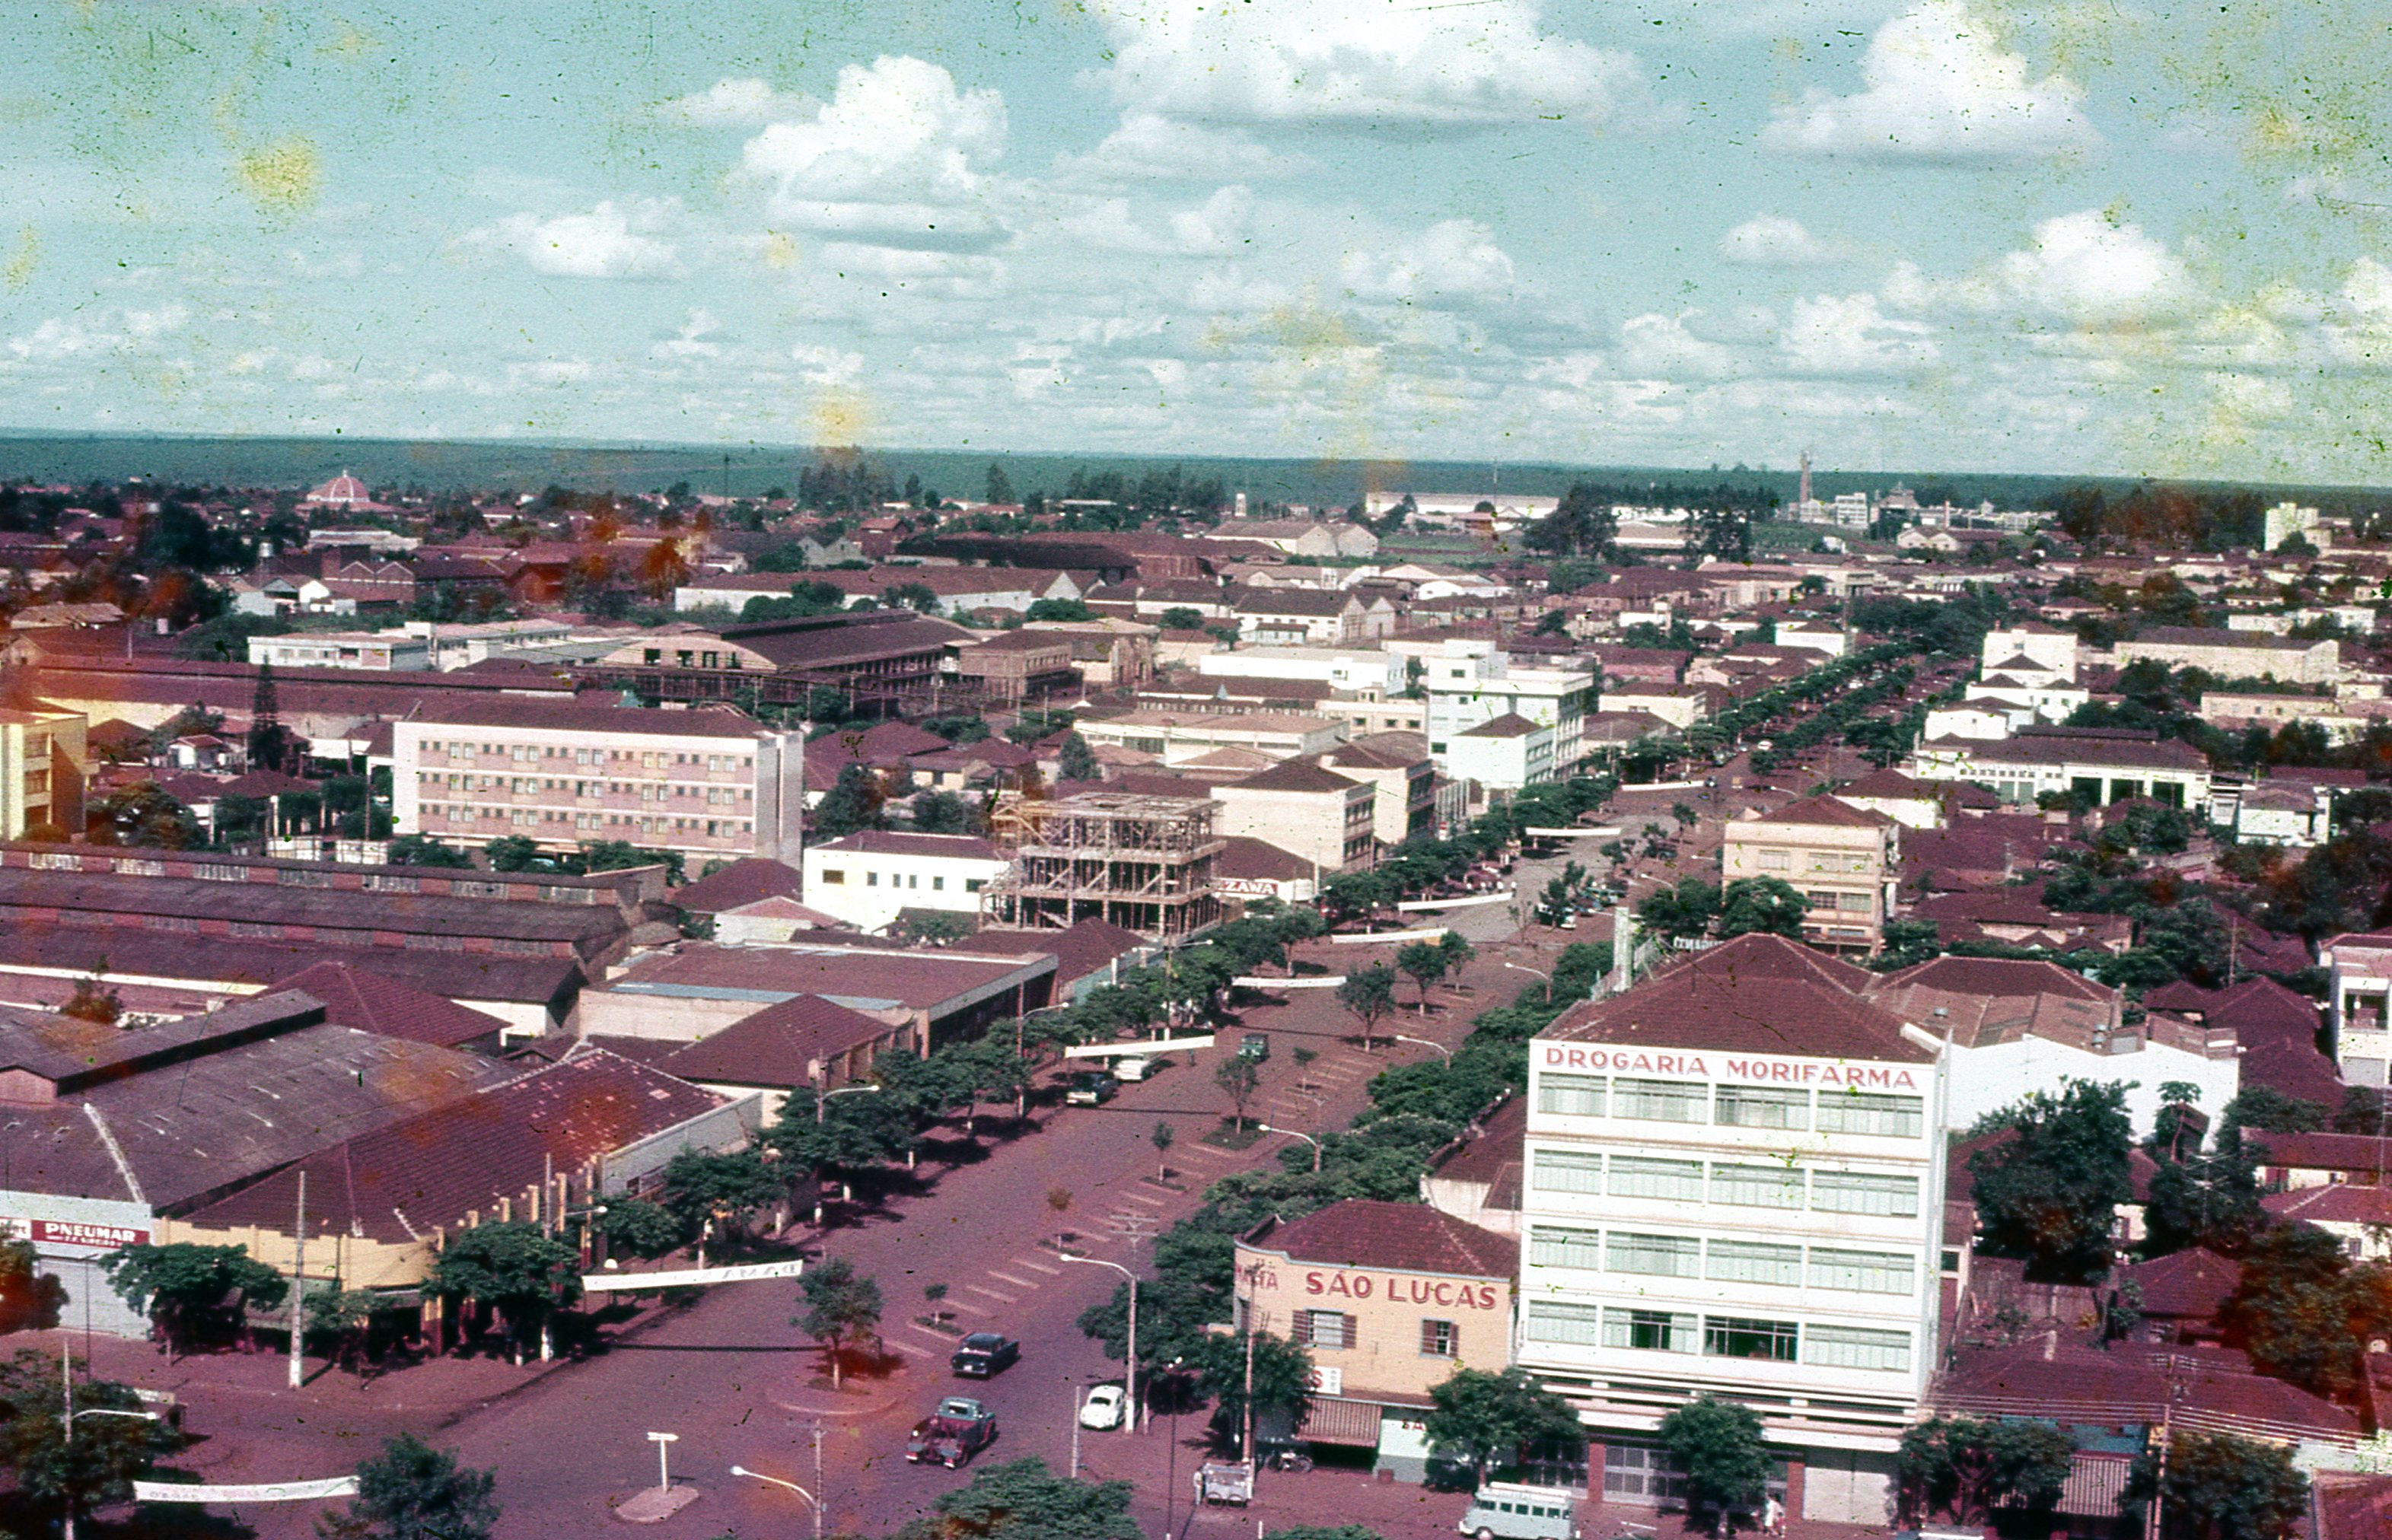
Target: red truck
{"x": 958, "y": 1429}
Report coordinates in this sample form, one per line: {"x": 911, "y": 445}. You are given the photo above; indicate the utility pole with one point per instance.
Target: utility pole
{"x": 1072, "y": 1391}
{"x": 1246, "y": 1443}
{"x": 299, "y": 1287}
{"x": 818, "y": 1480}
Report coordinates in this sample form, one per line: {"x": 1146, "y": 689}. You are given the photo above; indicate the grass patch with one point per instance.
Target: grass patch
{"x": 1226, "y": 1136}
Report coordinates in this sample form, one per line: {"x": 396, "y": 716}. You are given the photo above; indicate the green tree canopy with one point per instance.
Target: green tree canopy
{"x": 1370, "y": 994}
{"x": 1282, "y": 1375}
{"x": 852, "y": 804}
{"x": 2304, "y": 1313}
{"x": 640, "y": 1228}
{"x": 1685, "y": 912}
{"x": 1425, "y": 962}
{"x": 1768, "y": 906}
{"x": 2218, "y": 1485}
{"x": 2050, "y": 1192}
{"x": 1718, "y": 1444}
{"x": 513, "y": 1267}
{"x": 1077, "y": 761}
{"x": 107, "y": 1454}
{"x": 726, "y": 1186}
{"x": 1481, "y": 1419}
{"x": 840, "y": 1309}
{"x": 1023, "y": 1500}
{"x": 411, "y": 1491}
{"x": 1970, "y": 1467}
{"x": 180, "y": 1285}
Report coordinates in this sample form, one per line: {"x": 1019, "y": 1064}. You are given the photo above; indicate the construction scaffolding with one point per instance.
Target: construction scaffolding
{"x": 1144, "y": 864}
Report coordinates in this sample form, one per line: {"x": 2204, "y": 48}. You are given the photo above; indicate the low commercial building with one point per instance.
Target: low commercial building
{"x": 1314, "y": 814}
{"x": 1177, "y": 737}
{"x": 2101, "y": 765}
{"x": 116, "y": 1134}
{"x": 703, "y": 782}
{"x": 1501, "y": 754}
{"x": 938, "y": 997}
{"x": 2235, "y": 654}
{"x": 386, "y": 652}
{"x": 1841, "y": 859}
{"x": 868, "y": 878}
{"x": 1390, "y": 1300}
{"x": 1340, "y": 669}
{"x": 1403, "y": 783}
{"x": 1736, "y": 1188}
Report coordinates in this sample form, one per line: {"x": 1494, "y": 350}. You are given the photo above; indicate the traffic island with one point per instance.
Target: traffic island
{"x": 651, "y": 1504}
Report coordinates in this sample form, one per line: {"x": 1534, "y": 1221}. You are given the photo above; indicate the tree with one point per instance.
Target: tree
{"x": 639, "y": 1228}
{"x": 1163, "y": 1137}
{"x": 413, "y": 1492}
{"x": 2304, "y": 1314}
{"x": 1716, "y": 1443}
{"x": 703, "y": 1187}
{"x": 1182, "y": 617}
{"x": 181, "y": 1286}
{"x": 1561, "y": 895}
{"x": 29, "y": 1297}
{"x": 1370, "y": 994}
{"x": 944, "y": 813}
{"x": 1972, "y": 1467}
{"x": 1425, "y": 962}
{"x": 513, "y": 1267}
{"x": 1685, "y": 912}
{"x": 94, "y": 999}
{"x": 1237, "y": 1076}
{"x": 2203, "y": 1199}
{"x": 1059, "y": 609}
{"x": 1477, "y": 1418}
{"x": 1023, "y": 1500}
{"x": 2221, "y": 1487}
{"x": 852, "y": 804}
{"x": 1768, "y": 906}
{"x": 346, "y": 1317}
{"x": 1283, "y": 1373}
{"x": 1685, "y": 816}
{"x": 1077, "y": 761}
{"x": 512, "y": 853}
{"x": 1000, "y": 486}
{"x": 2050, "y": 1192}
{"x": 423, "y": 851}
{"x": 102, "y": 1460}
{"x": 841, "y": 1309}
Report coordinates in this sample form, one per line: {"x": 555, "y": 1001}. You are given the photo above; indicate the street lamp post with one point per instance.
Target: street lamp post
{"x": 1423, "y": 1043}
{"x": 66, "y": 1424}
{"x": 812, "y": 1501}
{"x": 1136, "y": 1410}
{"x": 1546, "y": 976}
{"x": 1292, "y": 1135}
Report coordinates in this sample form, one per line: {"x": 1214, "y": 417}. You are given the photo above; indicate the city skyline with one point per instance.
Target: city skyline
{"x": 1998, "y": 239}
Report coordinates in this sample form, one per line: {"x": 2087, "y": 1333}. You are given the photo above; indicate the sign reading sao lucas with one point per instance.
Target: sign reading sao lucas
{"x": 1757, "y": 1070}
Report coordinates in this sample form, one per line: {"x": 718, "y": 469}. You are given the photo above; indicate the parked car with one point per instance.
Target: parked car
{"x": 1231, "y": 1481}
{"x": 1104, "y": 1409}
{"x": 1136, "y": 1068}
{"x": 985, "y": 1353}
{"x": 1091, "y": 1088}
{"x": 1254, "y": 1046}
{"x": 958, "y": 1429}
{"x": 1507, "y": 1511}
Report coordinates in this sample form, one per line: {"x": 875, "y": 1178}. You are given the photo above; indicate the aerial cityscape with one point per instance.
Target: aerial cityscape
{"x": 1376, "y": 769}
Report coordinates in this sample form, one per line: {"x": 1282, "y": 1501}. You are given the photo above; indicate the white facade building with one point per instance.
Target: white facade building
{"x": 868, "y": 878}
{"x": 1735, "y": 1186}
{"x": 1469, "y": 683}
{"x": 1338, "y": 667}
{"x": 382, "y": 651}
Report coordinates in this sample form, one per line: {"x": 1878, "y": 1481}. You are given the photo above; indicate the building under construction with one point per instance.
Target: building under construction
{"x": 1144, "y": 864}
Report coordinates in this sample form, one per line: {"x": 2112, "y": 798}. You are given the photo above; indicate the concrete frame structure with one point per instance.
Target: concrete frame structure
{"x": 1144, "y": 864}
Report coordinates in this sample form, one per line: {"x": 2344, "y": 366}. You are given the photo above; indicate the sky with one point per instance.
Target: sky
{"x": 1963, "y": 235}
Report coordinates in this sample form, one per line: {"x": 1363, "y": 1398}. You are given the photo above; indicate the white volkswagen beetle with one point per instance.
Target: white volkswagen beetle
{"x": 1104, "y": 1407}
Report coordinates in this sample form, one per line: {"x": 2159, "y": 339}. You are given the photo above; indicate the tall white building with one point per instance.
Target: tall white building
{"x": 1469, "y": 683}
{"x": 1735, "y": 1186}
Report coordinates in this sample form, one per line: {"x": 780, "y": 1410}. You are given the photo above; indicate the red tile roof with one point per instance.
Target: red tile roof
{"x": 1820, "y": 810}
{"x": 778, "y": 1045}
{"x": 741, "y": 882}
{"x": 1756, "y": 994}
{"x": 2187, "y": 1284}
{"x": 1361, "y": 1232}
{"x": 356, "y": 997}
{"x": 2338, "y": 1203}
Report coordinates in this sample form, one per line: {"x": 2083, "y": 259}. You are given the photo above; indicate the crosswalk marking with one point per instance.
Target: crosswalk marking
{"x": 1141, "y": 1198}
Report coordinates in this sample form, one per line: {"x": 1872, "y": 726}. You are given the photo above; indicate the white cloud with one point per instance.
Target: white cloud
{"x": 736, "y": 101}
{"x": 612, "y": 240}
{"x": 2084, "y": 267}
{"x": 1850, "y": 335}
{"x": 894, "y": 159}
{"x": 1655, "y": 346}
{"x": 60, "y": 338}
{"x": 692, "y": 340}
{"x": 1294, "y": 60}
{"x": 1148, "y": 147}
{"x": 1453, "y": 261}
{"x": 1939, "y": 86}
{"x": 1774, "y": 240}
{"x": 826, "y": 365}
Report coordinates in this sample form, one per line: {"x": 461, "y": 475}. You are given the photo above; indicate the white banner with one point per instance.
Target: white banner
{"x": 1137, "y": 1049}
{"x": 267, "y": 1491}
{"x": 687, "y": 1277}
{"x": 1389, "y": 935}
{"x": 1575, "y": 831}
{"x": 1310, "y": 981}
{"x": 1414, "y": 906}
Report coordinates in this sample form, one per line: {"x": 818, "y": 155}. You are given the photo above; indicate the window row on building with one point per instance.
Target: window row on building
{"x": 716, "y": 764}
{"x": 911, "y": 880}
{"x": 1772, "y": 1264}
{"x": 1334, "y": 1331}
{"x": 1760, "y": 1338}
{"x": 648, "y": 791}
{"x": 1834, "y": 1111}
{"x": 464, "y": 812}
{"x": 1776, "y": 1185}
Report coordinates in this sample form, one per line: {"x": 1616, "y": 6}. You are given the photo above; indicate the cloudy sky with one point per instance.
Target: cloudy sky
{"x": 1922, "y": 234}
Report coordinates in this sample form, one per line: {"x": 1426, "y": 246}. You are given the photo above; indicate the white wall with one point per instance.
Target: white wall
{"x": 876, "y": 887}
{"x": 1986, "y": 1078}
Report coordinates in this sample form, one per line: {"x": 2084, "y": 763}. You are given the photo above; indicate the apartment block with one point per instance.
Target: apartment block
{"x": 1469, "y": 683}
{"x": 1734, "y": 1187}
{"x": 1841, "y": 859}
{"x": 705, "y": 782}
{"x": 43, "y": 762}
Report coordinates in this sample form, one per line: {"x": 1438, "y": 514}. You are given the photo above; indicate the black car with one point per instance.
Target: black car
{"x": 985, "y": 1353}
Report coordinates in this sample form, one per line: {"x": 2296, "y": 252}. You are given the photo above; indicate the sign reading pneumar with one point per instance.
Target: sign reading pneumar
{"x": 1752, "y": 1069}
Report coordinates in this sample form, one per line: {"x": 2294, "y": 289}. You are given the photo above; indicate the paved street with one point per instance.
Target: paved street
{"x": 730, "y": 1375}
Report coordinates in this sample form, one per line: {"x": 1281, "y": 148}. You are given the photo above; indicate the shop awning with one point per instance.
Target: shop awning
{"x": 1330, "y": 1421}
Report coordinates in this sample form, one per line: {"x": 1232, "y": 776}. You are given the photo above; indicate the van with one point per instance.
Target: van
{"x": 1505, "y": 1510}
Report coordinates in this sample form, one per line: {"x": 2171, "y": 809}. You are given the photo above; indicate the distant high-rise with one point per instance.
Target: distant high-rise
{"x": 1802, "y": 496}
